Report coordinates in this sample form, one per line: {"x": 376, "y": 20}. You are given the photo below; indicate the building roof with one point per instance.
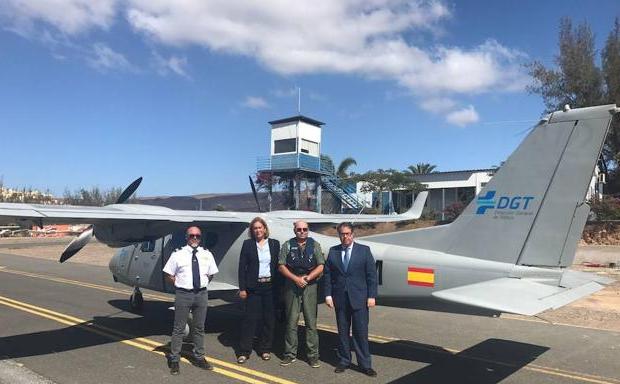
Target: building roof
{"x": 297, "y": 118}
{"x": 463, "y": 171}
{"x": 443, "y": 175}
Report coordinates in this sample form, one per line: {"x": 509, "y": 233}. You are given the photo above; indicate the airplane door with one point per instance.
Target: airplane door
{"x": 146, "y": 265}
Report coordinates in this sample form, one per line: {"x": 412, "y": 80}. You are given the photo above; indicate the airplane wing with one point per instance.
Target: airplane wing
{"x": 111, "y": 214}
{"x": 127, "y": 213}
{"x": 525, "y": 296}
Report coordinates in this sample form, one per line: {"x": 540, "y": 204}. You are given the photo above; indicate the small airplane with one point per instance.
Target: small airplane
{"x": 507, "y": 252}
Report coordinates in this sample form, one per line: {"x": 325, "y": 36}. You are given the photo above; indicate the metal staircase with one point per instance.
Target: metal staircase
{"x": 346, "y": 193}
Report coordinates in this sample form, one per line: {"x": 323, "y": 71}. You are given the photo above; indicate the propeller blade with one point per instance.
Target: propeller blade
{"x": 129, "y": 191}
{"x": 254, "y": 192}
{"x": 76, "y": 244}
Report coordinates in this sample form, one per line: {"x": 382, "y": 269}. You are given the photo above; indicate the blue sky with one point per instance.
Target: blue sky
{"x": 97, "y": 93}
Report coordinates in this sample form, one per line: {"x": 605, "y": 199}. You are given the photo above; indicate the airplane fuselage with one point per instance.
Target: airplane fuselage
{"x": 406, "y": 275}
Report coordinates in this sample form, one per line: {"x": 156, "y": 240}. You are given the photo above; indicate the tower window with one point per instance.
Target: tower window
{"x": 285, "y": 145}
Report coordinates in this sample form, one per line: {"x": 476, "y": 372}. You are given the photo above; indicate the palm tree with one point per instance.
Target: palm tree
{"x": 344, "y": 166}
{"x": 422, "y": 168}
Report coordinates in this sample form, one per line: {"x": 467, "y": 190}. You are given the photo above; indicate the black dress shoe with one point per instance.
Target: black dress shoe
{"x": 369, "y": 372}
{"x": 341, "y": 368}
{"x": 174, "y": 368}
{"x": 202, "y": 363}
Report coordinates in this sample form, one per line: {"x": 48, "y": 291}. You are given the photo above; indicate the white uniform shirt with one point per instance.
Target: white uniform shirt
{"x": 179, "y": 265}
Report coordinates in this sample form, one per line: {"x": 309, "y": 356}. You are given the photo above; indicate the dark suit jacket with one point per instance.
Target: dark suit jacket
{"x": 359, "y": 282}
{"x": 248, "y": 263}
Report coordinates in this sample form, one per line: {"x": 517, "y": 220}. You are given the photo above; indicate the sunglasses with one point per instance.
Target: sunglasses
{"x": 192, "y": 236}
{"x": 301, "y": 229}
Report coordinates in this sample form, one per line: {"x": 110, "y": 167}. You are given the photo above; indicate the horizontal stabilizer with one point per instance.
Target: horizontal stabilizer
{"x": 520, "y": 296}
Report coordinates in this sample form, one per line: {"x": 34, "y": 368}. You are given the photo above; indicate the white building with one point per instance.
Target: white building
{"x": 448, "y": 188}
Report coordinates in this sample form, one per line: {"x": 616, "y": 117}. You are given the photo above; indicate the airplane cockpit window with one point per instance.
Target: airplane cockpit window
{"x": 148, "y": 246}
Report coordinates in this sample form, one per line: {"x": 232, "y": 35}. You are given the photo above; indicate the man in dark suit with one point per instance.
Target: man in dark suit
{"x": 351, "y": 288}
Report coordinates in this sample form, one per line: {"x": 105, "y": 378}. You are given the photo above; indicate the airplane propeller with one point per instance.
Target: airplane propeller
{"x": 254, "y": 193}
{"x": 83, "y": 238}
{"x": 76, "y": 244}
{"x": 129, "y": 191}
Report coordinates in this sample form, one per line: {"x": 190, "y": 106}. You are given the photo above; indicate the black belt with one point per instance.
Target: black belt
{"x": 191, "y": 290}
{"x": 264, "y": 279}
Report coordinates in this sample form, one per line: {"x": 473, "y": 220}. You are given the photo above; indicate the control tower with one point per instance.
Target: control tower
{"x": 296, "y": 162}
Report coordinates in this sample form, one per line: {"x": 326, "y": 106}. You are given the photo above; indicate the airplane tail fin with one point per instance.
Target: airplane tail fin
{"x": 533, "y": 210}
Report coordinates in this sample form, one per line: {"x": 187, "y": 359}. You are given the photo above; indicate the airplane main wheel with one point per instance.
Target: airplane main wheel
{"x": 136, "y": 301}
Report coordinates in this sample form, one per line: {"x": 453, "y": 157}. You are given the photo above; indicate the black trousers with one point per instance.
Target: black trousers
{"x": 259, "y": 306}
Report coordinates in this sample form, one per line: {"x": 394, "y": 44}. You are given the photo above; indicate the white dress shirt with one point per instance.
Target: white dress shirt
{"x": 342, "y": 253}
{"x": 179, "y": 265}
{"x": 264, "y": 259}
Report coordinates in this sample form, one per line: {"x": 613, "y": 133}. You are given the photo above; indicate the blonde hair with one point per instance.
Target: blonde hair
{"x": 255, "y": 220}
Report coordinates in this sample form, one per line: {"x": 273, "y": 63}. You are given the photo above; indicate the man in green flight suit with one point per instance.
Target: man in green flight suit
{"x": 301, "y": 262}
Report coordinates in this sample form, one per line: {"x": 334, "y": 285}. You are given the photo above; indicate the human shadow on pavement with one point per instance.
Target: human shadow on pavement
{"x": 487, "y": 362}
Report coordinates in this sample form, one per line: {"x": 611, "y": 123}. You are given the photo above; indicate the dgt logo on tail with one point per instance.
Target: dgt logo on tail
{"x": 513, "y": 203}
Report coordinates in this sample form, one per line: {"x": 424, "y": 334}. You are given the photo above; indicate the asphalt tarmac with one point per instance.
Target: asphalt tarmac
{"x": 70, "y": 323}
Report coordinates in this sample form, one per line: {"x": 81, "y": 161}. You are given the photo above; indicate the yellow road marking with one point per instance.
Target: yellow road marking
{"x": 87, "y": 285}
{"x": 376, "y": 338}
{"x": 138, "y": 342}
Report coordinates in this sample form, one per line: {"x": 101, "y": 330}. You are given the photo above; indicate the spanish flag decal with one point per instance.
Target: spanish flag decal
{"x": 424, "y": 277}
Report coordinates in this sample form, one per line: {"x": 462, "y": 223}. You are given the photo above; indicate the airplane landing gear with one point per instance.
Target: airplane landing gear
{"x": 136, "y": 300}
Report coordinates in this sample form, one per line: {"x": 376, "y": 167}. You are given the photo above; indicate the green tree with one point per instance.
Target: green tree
{"x": 578, "y": 81}
{"x": 610, "y": 56}
{"x": 343, "y": 168}
{"x": 421, "y": 168}
{"x": 387, "y": 180}
{"x": 94, "y": 196}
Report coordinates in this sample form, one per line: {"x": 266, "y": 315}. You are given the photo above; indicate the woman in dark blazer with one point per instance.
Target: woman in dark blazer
{"x": 258, "y": 264}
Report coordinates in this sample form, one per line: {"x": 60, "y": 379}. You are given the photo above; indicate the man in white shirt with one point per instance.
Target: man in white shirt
{"x": 190, "y": 269}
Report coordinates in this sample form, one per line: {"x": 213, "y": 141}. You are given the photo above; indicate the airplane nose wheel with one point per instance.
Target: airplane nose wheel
{"x": 136, "y": 300}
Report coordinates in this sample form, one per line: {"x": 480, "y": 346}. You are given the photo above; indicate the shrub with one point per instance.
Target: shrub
{"x": 607, "y": 208}
{"x": 453, "y": 211}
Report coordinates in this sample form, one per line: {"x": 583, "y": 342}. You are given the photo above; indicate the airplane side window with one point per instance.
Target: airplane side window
{"x": 148, "y": 246}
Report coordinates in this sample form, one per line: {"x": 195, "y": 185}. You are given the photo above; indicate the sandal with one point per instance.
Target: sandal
{"x": 266, "y": 356}
{"x": 241, "y": 359}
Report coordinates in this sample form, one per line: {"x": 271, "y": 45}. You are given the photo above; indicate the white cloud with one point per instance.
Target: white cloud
{"x": 67, "y": 16}
{"x": 437, "y": 104}
{"x": 104, "y": 58}
{"x": 376, "y": 39}
{"x": 255, "y": 102}
{"x": 463, "y": 116}
{"x": 367, "y": 38}
{"x": 174, "y": 64}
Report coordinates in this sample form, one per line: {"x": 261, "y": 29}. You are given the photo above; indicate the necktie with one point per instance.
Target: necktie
{"x": 195, "y": 270}
{"x": 347, "y": 255}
